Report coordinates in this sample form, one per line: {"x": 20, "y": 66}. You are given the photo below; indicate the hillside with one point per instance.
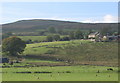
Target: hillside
{"x": 75, "y": 52}
{"x": 36, "y": 24}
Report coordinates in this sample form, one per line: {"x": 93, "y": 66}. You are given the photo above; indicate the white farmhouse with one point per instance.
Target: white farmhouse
{"x": 93, "y": 35}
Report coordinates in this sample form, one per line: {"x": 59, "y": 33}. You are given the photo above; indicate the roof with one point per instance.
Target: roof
{"x": 94, "y": 33}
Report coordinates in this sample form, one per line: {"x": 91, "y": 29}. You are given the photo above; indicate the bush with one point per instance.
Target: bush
{"x": 68, "y": 72}
{"x": 29, "y": 41}
{"x": 50, "y": 52}
{"x": 49, "y": 38}
{"x": 56, "y": 37}
{"x": 65, "y": 39}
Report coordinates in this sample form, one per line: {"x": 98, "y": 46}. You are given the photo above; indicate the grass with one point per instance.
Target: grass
{"x": 41, "y": 48}
{"x": 91, "y": 51}
{"x": 76, "y": 51}
{"x": 61, "y": 73}
{"x": 33, "y": 38}
{"x": 36, "y": 38}
{"x": 34, "y": 60}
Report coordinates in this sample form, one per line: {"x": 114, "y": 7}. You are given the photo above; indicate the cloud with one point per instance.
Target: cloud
{"x": 88, "y": 21}
{"x": 105, "y": 19}
{"x": 109, "y": 18}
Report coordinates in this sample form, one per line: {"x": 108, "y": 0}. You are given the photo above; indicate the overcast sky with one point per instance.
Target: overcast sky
{"x": 87, "y": 12}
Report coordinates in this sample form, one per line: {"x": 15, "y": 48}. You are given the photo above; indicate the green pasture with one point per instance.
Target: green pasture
{"x": 34, "y": 60}
{"x": 33, "y": 38}
{"x": 77, "y": 51}
{"x": 90, "y": 51}
{"x": 43, "y": 47}
{"x": 61, "y": 73}
{"x": 37, "y": 38}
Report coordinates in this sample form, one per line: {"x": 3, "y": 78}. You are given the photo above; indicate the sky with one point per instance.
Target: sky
{"x": 86, "y": 12}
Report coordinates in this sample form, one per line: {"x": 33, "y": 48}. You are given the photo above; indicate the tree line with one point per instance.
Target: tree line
{"x": 74, "y": 33}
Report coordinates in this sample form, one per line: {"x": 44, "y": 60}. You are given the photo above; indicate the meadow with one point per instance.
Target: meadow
{"x": 75, "y": 51}
{"x": 45, "y": 46}
{"x": 75, "y": 60}
{"x": 60, "y": 73}
{"x": 37, "y": 38}
{"x": 33, "y": 38}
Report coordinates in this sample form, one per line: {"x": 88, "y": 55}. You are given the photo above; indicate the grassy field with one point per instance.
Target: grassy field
{"x": 60, "y": 73}
{"x": 80, "y": 60}
{"x": 33, "y": 38}
{"x": 77, "y": 51}
{"x": 36, "y": 38}
{"x": 42, "y": 48}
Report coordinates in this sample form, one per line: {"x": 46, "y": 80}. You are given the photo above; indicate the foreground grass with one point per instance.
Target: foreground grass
{"x": 77, "y": 51}
{"x": 61, "y": 73}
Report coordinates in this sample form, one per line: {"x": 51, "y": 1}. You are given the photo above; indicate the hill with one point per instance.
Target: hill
{"x": 36, "y": 24}
{"x": 75, "y": 52}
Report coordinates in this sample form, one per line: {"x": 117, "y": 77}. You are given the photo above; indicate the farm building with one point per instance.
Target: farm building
{"x": 93, "y": 35}
{"x": 111, "y": 38}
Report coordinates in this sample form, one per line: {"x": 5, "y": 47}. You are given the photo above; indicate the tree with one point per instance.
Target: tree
{"x": 97, "y": 39}
{"x": 106, "y": 31}
{"x": 60, "y": 31}
{"x": 65, "y": 39}
{"x": 56, "y": 37}
{"x": 115, "y": 33}
{"x": 13, "y": 46}
{"x": 51, "y": 30}
{"x": 78, "y": 34}
{"x": 41, "y": 33}
{"x": 90, "y": 31}
{"x": 85, "y": 34}
{"x": 28, "y": 41}
{"x": 71, "y": 35}
{"x": 49, "y": 38}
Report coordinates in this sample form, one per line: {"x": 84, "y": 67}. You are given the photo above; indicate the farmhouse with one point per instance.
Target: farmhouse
{"x": 93, "y": 35}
